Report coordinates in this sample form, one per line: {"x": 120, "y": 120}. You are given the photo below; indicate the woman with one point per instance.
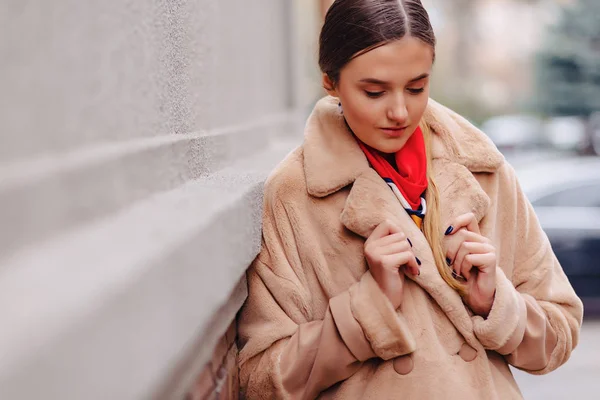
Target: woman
{"x": 400, "y": 258}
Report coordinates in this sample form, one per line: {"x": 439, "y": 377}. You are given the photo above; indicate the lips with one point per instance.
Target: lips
{"x": 393, "y": 132}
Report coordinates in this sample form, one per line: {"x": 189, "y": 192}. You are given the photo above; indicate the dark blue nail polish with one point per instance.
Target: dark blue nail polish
{"x": 448, "y": 261}
{"x": 418, "y": 261}
{"x": 449, "y": 230}
{"x": 409, "y": 242}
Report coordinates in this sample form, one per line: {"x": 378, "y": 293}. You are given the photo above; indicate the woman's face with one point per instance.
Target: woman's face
{"x": 384, "y": 92}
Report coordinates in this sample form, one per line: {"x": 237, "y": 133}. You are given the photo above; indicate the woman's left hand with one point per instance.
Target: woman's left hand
{"x": 473, "y": 257}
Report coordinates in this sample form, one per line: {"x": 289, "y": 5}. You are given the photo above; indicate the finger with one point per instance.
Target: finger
{"x": 402, "y": 276}
{"x": 483, "y": 262}
{"x": 385, "y": 228}
{"x": 469, "y": 236}
{"x": 466, "y": 268}
{"x": 461, "y": 265}
{"x": 478, "y": 247}
{"x": 412, "y": 266}
{"x": 394, "y": 248}
{"x": 406, "y": 258}
{"x": 462, "y": 252}
{"x": 393, "y": 238}
{"x": 468, "y": 221}
{"x": 394, "y": 261}
{"x": 452, "y": 251}
{"x": 453, "y": 243}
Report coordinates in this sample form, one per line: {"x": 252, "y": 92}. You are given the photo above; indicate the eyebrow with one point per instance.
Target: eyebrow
{"x": 380, "y": 82}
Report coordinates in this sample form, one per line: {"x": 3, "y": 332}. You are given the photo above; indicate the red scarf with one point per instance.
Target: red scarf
{"x": 411, "y": 160}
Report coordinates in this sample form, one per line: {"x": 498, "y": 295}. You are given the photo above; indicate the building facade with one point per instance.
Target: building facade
{"x": 135, "y": 137}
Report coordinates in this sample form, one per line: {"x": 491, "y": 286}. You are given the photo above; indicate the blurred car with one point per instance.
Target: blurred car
{"x": 565, "y": 194}
{"x": 515, "y": 132}
{"x": 566, "y": 133}
{"x": 595, "y": 131}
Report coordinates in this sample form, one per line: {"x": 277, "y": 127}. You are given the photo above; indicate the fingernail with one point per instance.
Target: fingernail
{"x": 418, "y": 261}
{"x": 409, "y": 242}
{"x": 449, "y": 230}
{"x": 448, "y": 261}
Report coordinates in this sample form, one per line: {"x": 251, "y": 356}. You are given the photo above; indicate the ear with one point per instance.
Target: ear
{"x": 329, "y": 86}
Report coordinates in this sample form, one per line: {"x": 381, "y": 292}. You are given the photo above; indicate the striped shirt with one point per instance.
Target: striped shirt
{"x": 417, "y": 215}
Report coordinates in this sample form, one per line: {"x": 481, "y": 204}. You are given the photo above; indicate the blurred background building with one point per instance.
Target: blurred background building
{"x": 485, "y": 63}
{"x": 135, "y": 138}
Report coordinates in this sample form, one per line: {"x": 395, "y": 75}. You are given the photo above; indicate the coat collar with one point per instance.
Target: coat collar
{"x": 370, "y": 202}
{"x": 333, "y": 159}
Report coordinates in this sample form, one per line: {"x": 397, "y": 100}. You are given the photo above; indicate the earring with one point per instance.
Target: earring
{"x": 340, "y": 109}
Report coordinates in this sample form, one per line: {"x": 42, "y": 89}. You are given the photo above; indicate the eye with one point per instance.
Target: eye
{"x": 416, "y": 91}
{"x": 373, "y": 95}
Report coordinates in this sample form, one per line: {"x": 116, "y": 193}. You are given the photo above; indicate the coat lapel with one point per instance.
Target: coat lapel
{"x": 370, "y": 202}
{"x": 333, "y": 160}
{"x": 460, "y": 193}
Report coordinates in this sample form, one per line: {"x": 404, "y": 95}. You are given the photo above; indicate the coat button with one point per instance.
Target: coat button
{"x": 403, "y": 365}
{"x": 467, "y": 353}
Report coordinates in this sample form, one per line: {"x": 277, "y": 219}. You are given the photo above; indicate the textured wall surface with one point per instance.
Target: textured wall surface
{"x": 86, "y": 72}
{"x": 135, "y": 137}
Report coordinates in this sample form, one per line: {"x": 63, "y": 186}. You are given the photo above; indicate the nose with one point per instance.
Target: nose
{"x": 397, "y": 112}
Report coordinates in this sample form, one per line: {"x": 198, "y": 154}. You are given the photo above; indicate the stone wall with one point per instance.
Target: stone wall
{"x": 135, "y": 137}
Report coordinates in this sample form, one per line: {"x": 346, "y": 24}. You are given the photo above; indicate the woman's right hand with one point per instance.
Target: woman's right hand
{"x": 389, "y": 254}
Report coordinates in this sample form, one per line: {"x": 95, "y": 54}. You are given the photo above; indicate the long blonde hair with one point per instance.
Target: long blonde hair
{"x": 432, "y": 222}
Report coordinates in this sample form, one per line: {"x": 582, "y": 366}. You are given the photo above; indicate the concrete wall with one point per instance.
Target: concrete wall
{"x": 135, "y": 137}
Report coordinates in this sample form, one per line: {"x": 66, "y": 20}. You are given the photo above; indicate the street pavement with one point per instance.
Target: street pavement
{"x": 578, "y": 379}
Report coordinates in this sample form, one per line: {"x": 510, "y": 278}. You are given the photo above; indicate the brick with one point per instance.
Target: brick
{"x": 229, "y": 387}
{"x": 204, "y": 387}
{"x": 219, "y": 380}
{"x": 231, "y": 334}
{"x": 219, "y": 355}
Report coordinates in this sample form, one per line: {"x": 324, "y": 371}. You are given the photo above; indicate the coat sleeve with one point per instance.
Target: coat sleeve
{"x": 536, "y": 316}
{"x": 285, "y": 352}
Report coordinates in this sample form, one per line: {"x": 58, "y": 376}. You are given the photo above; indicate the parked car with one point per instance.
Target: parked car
{"x": 565, "y": 194}
{"x": 515, "y": 132}
{"x": 595, "y": 131}
{"x": 566, "y": 133}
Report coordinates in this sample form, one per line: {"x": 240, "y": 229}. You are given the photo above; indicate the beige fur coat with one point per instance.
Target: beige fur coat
{"x": 316, "y": 323}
